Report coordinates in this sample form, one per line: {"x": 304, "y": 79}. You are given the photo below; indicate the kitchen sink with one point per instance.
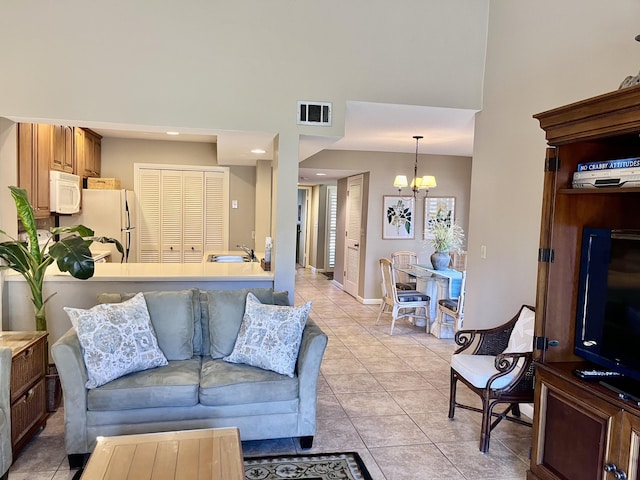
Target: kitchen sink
{"x": 228, "y": 258}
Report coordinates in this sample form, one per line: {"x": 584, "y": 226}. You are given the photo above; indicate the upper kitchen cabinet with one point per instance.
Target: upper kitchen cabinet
{"x": 63, "y": 155}
{"x": 88, "y": 152}
{"x": 35, "y": 153}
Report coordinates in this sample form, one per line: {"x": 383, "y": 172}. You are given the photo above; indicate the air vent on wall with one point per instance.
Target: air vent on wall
{"x": 314, "y": 113}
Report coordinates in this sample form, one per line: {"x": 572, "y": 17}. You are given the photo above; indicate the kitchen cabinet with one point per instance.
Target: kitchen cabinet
{"x": 27, "y": 390}
{"x": 581, "y": 430}
{"x": 88, "y": 152}
{"x": 35, "y": 151}
{"x": 63, "y": 154}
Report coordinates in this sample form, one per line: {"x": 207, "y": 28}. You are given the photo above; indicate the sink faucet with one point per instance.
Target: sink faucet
{"x": 248, "y": 251}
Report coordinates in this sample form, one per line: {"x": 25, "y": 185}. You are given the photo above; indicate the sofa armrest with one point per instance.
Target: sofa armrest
{"x": 67, "y": 355}
{"x": 314, "y": 341}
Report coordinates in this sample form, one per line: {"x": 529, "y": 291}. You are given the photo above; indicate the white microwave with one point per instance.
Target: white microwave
{"x": 64, "y": 192}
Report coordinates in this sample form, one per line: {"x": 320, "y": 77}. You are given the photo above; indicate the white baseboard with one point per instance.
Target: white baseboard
{"x": 527, "y": 409}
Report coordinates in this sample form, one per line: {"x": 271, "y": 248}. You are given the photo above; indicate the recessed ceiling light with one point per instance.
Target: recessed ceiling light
{"x": 321, "y": 174}
{"x": 173, "y": 133}
{"x": 258, "y": 150}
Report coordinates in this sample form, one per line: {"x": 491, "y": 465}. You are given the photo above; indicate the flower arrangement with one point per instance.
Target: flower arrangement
{"x": 445, "y": 237}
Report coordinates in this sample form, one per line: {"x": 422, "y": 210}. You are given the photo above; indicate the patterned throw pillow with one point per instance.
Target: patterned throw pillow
{"x": 116, "y": 339}
{"x": 270, "y": 336}
{"x": 521, "y": 339}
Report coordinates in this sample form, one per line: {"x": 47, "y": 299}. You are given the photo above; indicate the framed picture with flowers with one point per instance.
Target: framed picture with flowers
{"x": 398, "y": 218}
{"x": 438, "y": 210}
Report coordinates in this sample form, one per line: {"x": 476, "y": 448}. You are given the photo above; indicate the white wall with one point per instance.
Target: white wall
{"x": 540, "y": 55}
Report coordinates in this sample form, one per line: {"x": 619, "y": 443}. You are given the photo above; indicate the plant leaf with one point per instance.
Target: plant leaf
{"x": 25, "y": 214}
{"x": 72, "y": 255}
{"x": 16, "y": 255}
{"x": 117, "y": 243}
{"x": 79, "y": 229}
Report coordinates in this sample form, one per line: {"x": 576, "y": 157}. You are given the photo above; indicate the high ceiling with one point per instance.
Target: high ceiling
{"x": 368, "y": 127}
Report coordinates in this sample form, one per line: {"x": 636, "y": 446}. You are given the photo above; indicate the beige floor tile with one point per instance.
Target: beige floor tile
{"x": 439, "y": 428}
{"x": 329, "y": 407}
{"x": 415, "y": 462}
{"x": 389, "y": 431}
{"x": 385, "y": 364}
{"x": 372, "y": 404}
{"x": 375, "y": 350}
{"x": 332, "y": 366}
{"x": 353, "y": 383}
{"x": 393, "y": 381}
{"x": 498, "y": 462}
{"x": 421, "y": 401}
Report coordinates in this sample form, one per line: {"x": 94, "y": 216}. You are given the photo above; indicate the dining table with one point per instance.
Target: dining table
{"x": 438, "y": 284}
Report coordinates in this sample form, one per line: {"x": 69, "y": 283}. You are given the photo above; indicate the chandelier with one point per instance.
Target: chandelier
{"x": 418, "y": 183}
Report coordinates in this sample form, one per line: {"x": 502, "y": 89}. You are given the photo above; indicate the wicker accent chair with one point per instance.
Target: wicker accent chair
{"x": 409, "y": 301}
{"x": 5, "y": 413}
{"x": 404, "y": 259}
{"x": 497, "y": 365}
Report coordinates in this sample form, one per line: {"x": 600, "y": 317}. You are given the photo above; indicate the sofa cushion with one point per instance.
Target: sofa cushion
{"x": 223, "y": 383}
{"x": 270, "y": 336}
{"x": 477, "y": 369}
{"x": 174, "y": 385}
{"x": 226, "y": 309}
{"x": 176, "y": 319}
{"x": 116, "y": 339}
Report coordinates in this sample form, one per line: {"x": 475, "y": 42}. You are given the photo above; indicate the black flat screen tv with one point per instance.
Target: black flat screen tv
{"x": 608, "y": 310}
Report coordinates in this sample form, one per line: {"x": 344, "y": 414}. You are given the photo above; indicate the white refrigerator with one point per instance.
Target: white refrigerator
{"x": 109, "y": 213}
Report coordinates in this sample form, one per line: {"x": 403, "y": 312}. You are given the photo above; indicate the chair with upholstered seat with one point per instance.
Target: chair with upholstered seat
{"x": 452, "y": 308}
{"x": 403, "y": 259}
{"x": 5, "y": 413}
{"x": 497, "y": 365}
{"x": 409, "y": 301}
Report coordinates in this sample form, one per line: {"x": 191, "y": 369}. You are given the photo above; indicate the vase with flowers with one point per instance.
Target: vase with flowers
{"x": 444, "y": 238}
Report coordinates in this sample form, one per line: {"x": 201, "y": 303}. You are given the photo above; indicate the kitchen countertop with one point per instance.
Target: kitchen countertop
{"x": 158, "y": 272}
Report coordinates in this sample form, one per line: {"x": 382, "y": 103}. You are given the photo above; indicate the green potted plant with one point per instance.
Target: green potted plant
{"x": 444, "y": 238}
{"x": 31, "y": 260}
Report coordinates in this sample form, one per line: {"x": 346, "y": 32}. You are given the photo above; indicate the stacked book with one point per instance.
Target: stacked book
{"x": 621, "y": 173}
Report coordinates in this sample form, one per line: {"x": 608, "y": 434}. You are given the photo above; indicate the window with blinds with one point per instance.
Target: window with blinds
{"x": 332, "y": 218}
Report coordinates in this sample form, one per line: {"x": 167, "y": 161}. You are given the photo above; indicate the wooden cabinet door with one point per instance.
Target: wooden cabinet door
{"x": 63, "y": 155}
{"x": 35, "y": 149}
{"x": 88, "y": 152}
{"x": 629, "y": 461}
{"x": 576, "y": 433}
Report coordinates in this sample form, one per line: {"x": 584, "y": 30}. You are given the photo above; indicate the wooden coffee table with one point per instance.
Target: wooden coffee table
{"x": 213, "y": 453}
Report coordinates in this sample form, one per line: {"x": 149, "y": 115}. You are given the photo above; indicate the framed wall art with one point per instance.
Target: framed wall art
{"x": 438, "y": 209}
{"x": 398, "y": 217}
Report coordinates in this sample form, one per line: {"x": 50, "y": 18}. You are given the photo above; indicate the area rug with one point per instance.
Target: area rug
{"x": 324, "y": 466}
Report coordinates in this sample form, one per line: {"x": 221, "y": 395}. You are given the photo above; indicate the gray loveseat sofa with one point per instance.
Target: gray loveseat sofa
{"x": 197, "y": 389}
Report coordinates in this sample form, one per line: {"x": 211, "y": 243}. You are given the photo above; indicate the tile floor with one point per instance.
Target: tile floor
{"x": 383, "y": 396}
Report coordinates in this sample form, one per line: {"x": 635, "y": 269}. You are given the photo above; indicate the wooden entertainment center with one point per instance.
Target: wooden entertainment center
{"x": 581, "y": 430}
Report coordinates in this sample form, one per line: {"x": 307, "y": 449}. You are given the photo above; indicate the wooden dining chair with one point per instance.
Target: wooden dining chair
{"x": 450, "y": 308}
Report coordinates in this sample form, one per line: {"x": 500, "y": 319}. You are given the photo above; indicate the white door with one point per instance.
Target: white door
{"x": 182, "y": 212}
{"x": 148, "y": 230}
{"x": 353, "y": 235}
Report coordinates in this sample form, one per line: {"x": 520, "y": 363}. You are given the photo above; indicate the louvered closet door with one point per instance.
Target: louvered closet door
{"x": 149, "y": 216}
{"x": 216, "y": 215}
{"x": 192, "y": 216}
{"x": 171, "y": 218}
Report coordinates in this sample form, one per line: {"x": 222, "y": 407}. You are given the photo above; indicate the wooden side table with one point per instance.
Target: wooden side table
{"x": 212, "y": 453}
{"x": 28, "y": 398}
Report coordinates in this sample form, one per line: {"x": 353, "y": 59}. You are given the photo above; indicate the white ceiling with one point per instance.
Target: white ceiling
{"x": 368, "y": 127}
